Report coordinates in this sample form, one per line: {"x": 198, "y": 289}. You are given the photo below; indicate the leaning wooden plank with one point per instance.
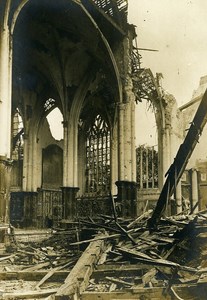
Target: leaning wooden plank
{"x": 51, "y": 273}
{"x": 79, "y": 276}
{"x": 147, "y": 259}
{"x": 31, "y": 275}
{"x": 140, "y": 218}
{"x": 119, "y": 281}
{"x": 97, "y": 225}
{"x": 7, "y": 257}
{"x": 28, "y": 294}
{"x": 113, "y": 207}
{"x": 38, "y": 266}
{"x": 126, "y": 234}
{"x": 175, "y": 294}
{"x": 99, "y": 238}
{"x": 147, "y": 277}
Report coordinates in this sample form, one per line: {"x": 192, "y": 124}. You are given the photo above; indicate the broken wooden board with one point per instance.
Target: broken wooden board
{"x": 32, "y": 276}
{"x": 147, "y": 259}
{"x": 28, "y": 294}
{"x": 78, "y": 279}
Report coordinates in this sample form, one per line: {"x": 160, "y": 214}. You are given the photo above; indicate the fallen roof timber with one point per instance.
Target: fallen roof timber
{"x": 28, "y": 294}
{"x": 78, "y": 279}
{"x": 31, "y": 275}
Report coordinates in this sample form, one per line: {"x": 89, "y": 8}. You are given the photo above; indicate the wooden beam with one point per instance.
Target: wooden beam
{"x": 32, "y": 275}
{"x": 29, "y": 294}
{"x": 78, "y": 279}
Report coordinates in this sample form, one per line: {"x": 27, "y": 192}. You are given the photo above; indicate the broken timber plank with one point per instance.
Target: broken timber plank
{"x": 99, "y": 238}
{"x": 37, "y": 267}
{"x": 119, "y": 270}
{"x": 7, "y": 257}
{"x": 51, "y": 273}
{"x": 147, "y": 259}
{"x": 32, "y": 275}
{"x": 140, "y": 218}
{"x": 122, "y": 282}
{"x": 79, "y": 276}
{"x": 146, "y": 278}
{"x": 28, "y": 294}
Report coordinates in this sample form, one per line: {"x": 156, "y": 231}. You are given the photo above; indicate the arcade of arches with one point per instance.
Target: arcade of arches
{"x": 79, "y": 57}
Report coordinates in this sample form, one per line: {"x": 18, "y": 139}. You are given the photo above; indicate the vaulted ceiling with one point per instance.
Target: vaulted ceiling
{"x": 55, "y": 44}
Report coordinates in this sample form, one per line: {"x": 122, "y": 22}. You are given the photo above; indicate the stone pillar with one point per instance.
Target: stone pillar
{"x": 194, "y": 187}
{"x": 166, "y": 155}
{"x": 5, "y": 112}
{"x": 114, "y": 159}
{"x": 28, "y": 162}
{"x": 133, "y": 145}
{"x": 5, "y": 175}
{"x": 69, "y": 202}
{"x": 5, "y": 91}
{"x": 121, "y": 143}
{"x": 65, "y": 153}
{"x": 178, "y": 197}
{"x": 127, "y": 143}
{"x": 127, "y": 198}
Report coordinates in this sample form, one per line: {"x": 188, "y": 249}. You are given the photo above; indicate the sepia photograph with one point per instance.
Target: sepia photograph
{"x": 103, "y": 149}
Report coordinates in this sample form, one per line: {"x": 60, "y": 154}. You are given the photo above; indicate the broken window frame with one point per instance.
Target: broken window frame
{"x": 17, "y": 136}
{"x": 147, "y": 167}
{"x": 98, "y": 162}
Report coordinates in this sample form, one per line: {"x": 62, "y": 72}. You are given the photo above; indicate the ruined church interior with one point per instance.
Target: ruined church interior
{"x": 92, "y": 215}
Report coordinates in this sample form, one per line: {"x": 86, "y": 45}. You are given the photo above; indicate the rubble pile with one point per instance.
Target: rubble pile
{"x": 37, "y": 267}
{"x": 110, "y": 255}
{"x": 173, "y": 254}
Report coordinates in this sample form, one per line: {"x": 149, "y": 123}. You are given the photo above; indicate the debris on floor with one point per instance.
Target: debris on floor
{"x": 111, "y": 256}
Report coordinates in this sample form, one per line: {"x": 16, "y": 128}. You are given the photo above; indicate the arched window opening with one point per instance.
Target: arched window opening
{"x": 55, "y": 120}
{"x": 98, "y": 158}
{"x": 17, "y": 136}
{"x": 146, "y": 147}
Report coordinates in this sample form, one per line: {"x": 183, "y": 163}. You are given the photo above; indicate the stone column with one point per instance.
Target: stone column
{"x": 127, "y": 198}
{"x": 114, "y": 159}
{"x": 178, "y": 197}
{"x": 121, "y": 143}
{"x": 69, "y": 189}
{"x": 65, "y": 152}
{"x": 194, "y": 186}
{"x": 133, "y": 146}
{"x": 69, "y": 202}
{"x": 5, "y": 112}
{"x": 5, "y": 91}
{"x": 5, "y": 176}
